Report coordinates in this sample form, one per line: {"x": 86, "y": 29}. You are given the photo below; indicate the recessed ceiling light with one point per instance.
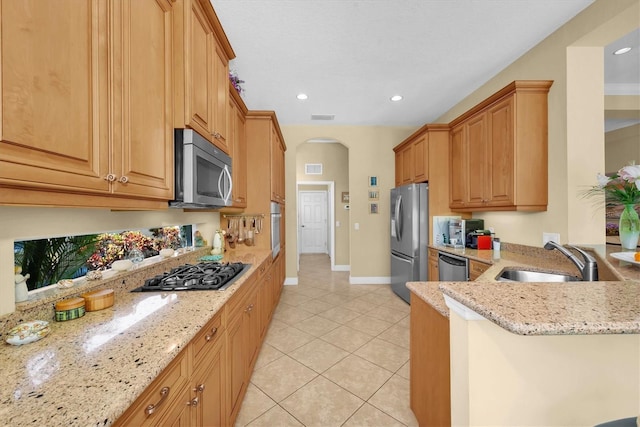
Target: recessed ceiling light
{"x": 302, "y": 96}
{"x": 396, "y": 98}
{"x": 621, "y": 51}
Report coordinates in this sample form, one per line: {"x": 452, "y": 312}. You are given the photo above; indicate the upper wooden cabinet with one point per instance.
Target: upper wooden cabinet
{"x": 201, "y": 64}
{"x": 412, "y": 159}
{"x": 498, "y": 151}
{"x": 78, "y": 113}
{"x": 238, "y": 148}
{"x": 277, "y": 166}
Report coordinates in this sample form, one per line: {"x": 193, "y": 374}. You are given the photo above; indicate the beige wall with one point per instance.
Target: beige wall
{"x": 19, "y": 223}
{"x": 621, "y": 147}
{"x": 572, "y": 57}
{"x": 370, "y": 153}
{"x": 335, "y": 167}
{"x": 502, "y": 379}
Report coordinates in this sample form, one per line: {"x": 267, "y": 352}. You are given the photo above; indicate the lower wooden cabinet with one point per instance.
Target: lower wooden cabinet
{"x": 205, "y": 384}
{"x": 429, "y": 376}
{"x": 433, "y": 272}
{"x": 476, "y": 269}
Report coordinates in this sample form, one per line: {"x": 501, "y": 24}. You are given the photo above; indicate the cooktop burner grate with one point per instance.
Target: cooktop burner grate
{"x": 202, "y": 276}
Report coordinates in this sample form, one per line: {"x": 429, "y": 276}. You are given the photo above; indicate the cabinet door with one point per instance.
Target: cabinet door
{"x": 500, "y": 121}
{"x": 199, "y": 74}
{"x": 433, "y": 266}
{"x": 407, "y": 165}
{"x": 398, "y": 175}
{"x": 458, "y": 168}
{"x": 238, "y": 149}
{"x": 235, "y": 363}
{"x": 252, "y": 327}
{"x": 143, "y": 138}
{"x": 421, "y": 160}
{"x": 476, "y": 269}
{"x": 220, "y": 99}
{"x": 476, "y": 160}
{"x": 54, "y": 112}
{"x": 209, "y": 388}
{"x": 277, "y": 167}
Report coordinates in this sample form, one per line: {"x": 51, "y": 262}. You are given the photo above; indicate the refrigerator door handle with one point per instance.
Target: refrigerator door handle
{"x": 398, "y": 217}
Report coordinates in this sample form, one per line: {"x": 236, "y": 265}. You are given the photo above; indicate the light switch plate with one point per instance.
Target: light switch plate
{"x": 554, "y": 237}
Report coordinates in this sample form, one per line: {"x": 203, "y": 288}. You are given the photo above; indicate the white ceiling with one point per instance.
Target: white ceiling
{"x": 350, "y": 56}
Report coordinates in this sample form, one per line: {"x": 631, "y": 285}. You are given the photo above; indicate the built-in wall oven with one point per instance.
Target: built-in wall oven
{"x": 275, "y": 228}
{"x": 452, "y": 268}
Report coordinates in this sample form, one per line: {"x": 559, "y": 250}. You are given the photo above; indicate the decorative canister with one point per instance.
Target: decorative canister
{"x": 69, "y": 309}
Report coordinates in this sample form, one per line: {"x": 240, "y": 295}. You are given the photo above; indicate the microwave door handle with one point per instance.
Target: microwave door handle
{"x": 228, "y": 195}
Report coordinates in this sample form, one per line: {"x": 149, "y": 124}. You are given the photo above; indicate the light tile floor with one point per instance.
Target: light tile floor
{"x": 335, "y": 354}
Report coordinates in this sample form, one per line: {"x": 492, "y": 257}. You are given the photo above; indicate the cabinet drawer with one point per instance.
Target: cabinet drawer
{"x": 208, "y": 336}
{"x": 161, "y": 396}
{"x": 476, "y": 269}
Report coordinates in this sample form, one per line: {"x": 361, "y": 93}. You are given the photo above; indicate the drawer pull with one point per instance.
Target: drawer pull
{"x": 249, "y": 308}
{"x": 152, "y": 408}
{"x": 193, "y": 402}
{"x": 209, "y": 337}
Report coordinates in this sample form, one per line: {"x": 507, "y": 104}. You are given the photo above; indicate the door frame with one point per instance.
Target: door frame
{"x": 331, "y": 220}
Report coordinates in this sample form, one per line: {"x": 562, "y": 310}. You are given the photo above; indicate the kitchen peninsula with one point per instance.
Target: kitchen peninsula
{"x": 537, "y": 353}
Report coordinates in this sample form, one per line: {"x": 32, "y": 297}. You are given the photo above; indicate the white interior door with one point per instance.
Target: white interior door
{"x": 313, "y": 222}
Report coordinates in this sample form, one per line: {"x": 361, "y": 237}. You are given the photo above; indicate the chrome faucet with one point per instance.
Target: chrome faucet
{"x": 588, "y": 268}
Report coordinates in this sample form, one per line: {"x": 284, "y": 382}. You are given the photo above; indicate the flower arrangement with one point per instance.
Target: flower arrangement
{"x": 622, "y": 188}
{"x": 111, "y": 247}
{"x": 235, "y": 81}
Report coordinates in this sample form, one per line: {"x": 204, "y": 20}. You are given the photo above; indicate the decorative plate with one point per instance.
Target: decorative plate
{"x": 211, "y": 258}
{"x": 28, "y": 332}
{"x": 625, "y": 256}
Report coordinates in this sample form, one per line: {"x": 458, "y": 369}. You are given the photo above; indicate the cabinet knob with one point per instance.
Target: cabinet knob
{"x": 193, "y": 402}
{"x": 199, "y": 388}
{"x": 110, "y": 177}
{"x": 124, "y": 179}
{"x": 209, "y": 337}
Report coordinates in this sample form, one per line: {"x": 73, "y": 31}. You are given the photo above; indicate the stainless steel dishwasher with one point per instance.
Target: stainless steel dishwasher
{"x": 452, "y": 268}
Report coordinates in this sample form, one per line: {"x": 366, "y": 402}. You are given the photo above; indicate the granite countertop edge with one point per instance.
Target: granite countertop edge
{"x": 537, "y": 308}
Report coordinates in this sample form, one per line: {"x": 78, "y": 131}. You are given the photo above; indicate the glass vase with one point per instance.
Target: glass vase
{"x": 629, "y": 228}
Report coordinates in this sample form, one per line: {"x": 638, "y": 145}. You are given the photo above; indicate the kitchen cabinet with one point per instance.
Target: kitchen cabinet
{"x": 495, "y": 146}
{"x": 476, "y": 269}
{"x": 412, "y": 159}
{"x": 201, "y": 64}
{"x": 433, "y": 265}
{"x": 238, "y": 148}
{"x": 164, "y": 401}
{"x": 78, "y": 116}
{"x": 429, "y": 377}
{"x": 265, "y": 169}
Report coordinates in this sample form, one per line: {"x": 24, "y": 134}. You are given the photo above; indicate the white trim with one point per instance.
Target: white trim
{"x": 290, "y": 281}
{"x": 361, "y": 280}
{"x": 461, "y": 310}
{"x": 341, "y": 268}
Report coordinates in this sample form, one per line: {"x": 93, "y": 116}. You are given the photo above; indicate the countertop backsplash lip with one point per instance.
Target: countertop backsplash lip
{"x": 42, "y": 307}
{"x": 527, "y": 309}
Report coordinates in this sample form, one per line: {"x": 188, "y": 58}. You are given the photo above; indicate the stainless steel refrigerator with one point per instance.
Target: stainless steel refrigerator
{"x": 409, "y": 236}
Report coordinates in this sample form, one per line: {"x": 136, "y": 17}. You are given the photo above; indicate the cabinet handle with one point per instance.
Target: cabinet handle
{"x": 249, "y": 308}
{"x": 124, "y": 179}
{"x": 199, "y": 388}
{"x": 216, "y": 135}
{"x": 110, "y": 177}
{"x": 209, "y": 337}
{"x": 193, "y": 402}
{"x": 163, "y": 395}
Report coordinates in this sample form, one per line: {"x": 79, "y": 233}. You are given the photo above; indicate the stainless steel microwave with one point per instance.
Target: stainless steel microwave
{"x": 202, "y": 172}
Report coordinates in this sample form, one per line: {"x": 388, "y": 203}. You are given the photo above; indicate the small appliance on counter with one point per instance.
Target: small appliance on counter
{"x": 460, "y": 229}
{"x": 479, "y": 239}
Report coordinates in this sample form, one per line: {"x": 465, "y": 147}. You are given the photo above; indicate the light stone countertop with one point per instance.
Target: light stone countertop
{"x": 610, "y": 306}
{"x": 88, "y": 371}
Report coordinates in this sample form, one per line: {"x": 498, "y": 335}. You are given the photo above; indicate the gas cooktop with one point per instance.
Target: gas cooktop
{"x": 202, "y": 276}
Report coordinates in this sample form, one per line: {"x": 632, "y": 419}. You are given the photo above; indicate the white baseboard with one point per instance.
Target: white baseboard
{"x": 369, "y": 280}
{"x": 290, "y": 281}
{"x": 341, "y": 268}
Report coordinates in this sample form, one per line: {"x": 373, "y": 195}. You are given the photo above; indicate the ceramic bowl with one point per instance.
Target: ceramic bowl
{"x": 122, "y": 265}
{"x": 166, "y": 253}
{"x": 28, "y": 332}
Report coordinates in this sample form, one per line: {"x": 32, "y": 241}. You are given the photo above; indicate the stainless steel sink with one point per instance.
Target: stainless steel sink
{"x": 515, "y": 275}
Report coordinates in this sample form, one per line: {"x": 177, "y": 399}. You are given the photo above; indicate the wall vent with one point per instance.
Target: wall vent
{"x": 323, "y": 116}
{"x": 313, "y": 168}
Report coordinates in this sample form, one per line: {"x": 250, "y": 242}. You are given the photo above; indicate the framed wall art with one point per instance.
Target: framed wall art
{"x": 374, "y": 195}
{"x": 373, "y": 208}
{"x": 345, "y": 197}
{"x": 373, "y": 181}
